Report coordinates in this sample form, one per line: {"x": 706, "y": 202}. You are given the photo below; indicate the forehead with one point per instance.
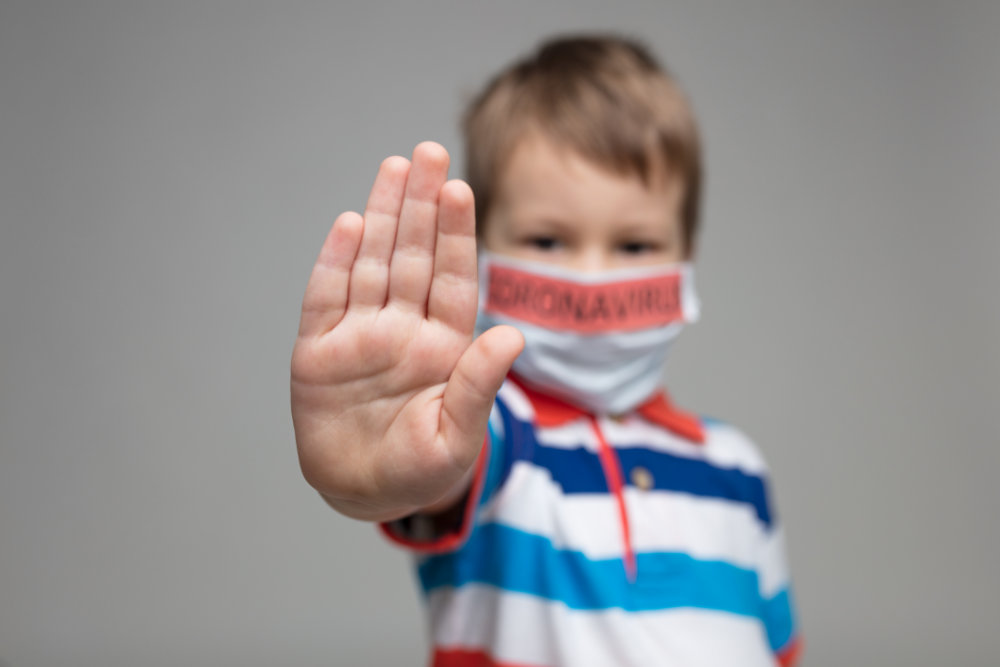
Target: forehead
{"x": 544, "y": 181}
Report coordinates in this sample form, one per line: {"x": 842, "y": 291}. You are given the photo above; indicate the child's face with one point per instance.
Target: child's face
{"x": 554, "y": 206}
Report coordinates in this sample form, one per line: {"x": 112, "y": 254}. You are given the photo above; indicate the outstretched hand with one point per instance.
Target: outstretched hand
{"x": 390, "y": 393}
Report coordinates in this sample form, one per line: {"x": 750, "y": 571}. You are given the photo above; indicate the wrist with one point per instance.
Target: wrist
{"x": 366, "y": 511}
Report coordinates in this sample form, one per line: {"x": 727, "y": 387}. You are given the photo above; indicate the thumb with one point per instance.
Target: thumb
{"x": 468, "y": 397}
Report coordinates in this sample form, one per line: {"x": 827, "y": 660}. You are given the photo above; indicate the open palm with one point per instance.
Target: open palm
{"x": 390, "y": 393}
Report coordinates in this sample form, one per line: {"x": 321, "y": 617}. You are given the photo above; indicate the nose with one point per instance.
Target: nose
{"x": 593, "y": 259}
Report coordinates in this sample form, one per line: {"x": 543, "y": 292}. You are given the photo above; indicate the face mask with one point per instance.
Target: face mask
{"x": 597, "y": 340}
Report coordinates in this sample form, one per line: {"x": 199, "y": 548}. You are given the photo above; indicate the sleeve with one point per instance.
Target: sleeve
{"x": 777, "y": 602}
{"x": 449, "y": 530}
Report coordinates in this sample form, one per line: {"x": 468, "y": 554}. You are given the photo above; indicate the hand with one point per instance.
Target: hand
{"x": 390, "y": 393}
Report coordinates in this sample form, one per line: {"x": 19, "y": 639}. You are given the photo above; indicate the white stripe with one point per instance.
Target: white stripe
{"x": 520, "y": 628}
{"x": 725, "y": 446}
{"x": 705, "y": 528}
{"x": 774, "y": 575}
{"x": 516, "y": 401}
{"x": 572, "y": 435}
{"x": 496, "y": 419}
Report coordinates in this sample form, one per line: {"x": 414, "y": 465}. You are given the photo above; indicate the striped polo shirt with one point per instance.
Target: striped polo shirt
{"x": 642, "y": 540}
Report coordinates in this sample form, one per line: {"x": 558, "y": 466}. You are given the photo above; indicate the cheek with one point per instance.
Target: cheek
{"x": 490, "y": 240}
{"x": 486, "y": 234}
{"x": 676, "y": 253}
{"x": 495, "y": 235}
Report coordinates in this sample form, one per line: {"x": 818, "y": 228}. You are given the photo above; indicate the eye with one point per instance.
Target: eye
{"x": 637, "y": 247}
{"x": 544, "y": 243}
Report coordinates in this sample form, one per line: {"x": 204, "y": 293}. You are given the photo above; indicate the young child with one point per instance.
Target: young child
{"x": 565, "y": 512}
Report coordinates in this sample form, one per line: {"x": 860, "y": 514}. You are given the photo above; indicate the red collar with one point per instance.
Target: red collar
{"x": 552, "y": 411}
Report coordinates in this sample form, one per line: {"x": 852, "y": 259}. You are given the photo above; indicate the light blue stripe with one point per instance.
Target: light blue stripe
{"x": 494, "y": 466}
{"x": 779, "y": 619}
{"x": 514, "y": 560}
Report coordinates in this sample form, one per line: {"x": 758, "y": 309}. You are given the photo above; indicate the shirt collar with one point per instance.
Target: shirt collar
{"x": 551, "y": 411}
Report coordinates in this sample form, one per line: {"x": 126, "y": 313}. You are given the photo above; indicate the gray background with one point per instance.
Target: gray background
{"x": 168, "y": 172}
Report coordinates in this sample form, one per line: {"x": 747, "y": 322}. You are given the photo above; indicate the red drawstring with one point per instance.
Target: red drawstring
{"x": 613, "y": 473}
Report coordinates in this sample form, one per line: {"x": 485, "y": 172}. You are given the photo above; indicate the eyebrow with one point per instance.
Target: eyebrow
{"x": 543, "y": 225}
{"x": 645, "y": 229}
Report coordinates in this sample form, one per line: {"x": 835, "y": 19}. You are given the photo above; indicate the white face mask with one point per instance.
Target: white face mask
{"x": 597, "y": 340}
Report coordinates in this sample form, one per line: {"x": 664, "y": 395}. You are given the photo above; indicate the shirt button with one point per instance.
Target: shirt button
{"x": 642, "y": 478}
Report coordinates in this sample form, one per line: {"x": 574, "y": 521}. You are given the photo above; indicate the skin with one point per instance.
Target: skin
{"x": 554, "y": 206}
{"x": 390, "y": 392}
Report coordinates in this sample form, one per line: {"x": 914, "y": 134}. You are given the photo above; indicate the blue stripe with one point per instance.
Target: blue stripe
{"x": 494, "y": 466}
{"x": 519, "y": 439}
{"x": 579, "y": 470}
{"x": 698, "y": 477}
{"x": 514, "y": 560}
{"x": 779, "y": 619}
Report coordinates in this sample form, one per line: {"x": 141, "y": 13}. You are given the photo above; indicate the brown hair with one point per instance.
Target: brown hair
{"x": 604, "y": 97}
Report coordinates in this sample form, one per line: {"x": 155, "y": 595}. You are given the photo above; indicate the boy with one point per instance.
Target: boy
{"x": 566, "y": 512}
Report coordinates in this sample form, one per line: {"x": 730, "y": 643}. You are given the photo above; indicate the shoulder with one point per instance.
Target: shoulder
{"x": 729, "y": 446}
{"x": 512, "y": 399}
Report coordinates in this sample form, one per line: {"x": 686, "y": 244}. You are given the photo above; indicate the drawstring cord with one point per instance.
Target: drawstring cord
{"x": 616, "y": 484}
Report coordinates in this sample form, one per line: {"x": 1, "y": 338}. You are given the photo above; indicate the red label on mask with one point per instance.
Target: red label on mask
{"x": 625, "y": 305}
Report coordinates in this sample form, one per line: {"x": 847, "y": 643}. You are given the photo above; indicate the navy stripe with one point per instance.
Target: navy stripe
{"x": 698, "y": 477}
{"x": 519, "y": 440}
{"x": 579, "y": 470}
{"x": 513, "y": 560}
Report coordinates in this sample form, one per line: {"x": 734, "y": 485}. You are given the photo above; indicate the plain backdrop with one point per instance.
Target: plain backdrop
{"x": 168, "y": 172}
